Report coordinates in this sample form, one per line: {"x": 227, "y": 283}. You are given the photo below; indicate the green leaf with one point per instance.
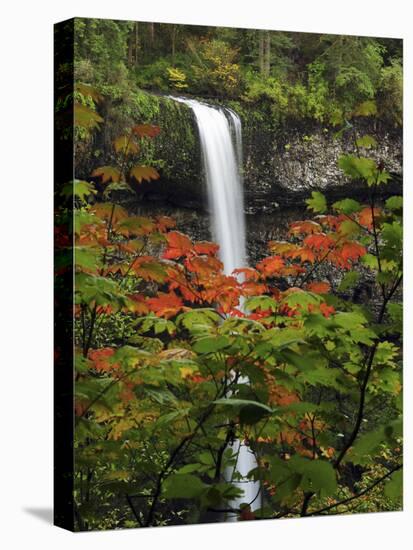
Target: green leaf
{"x": 368, "y": 444}
{"x": 349, "y": 320}
{"x": 183, "y": 486}
{"x": 84, "y": 117}
{"x": 317, "y": 475}
{"x": 367, "y": 108}
{"x": 78, "y": 188}
{"x": 87, "y": 257}
{"x": 394, "y": 203}
{"x": 261, "y": 302}
{"x": 394, "y": 487}
{"x": 347, "y": 206}
{"x": 230, "y": 402}
{"x": 359, "y": 168}
{"x": 350, "y": 280}
{"x": 317, "y": 203}
{"x": 211, "y": 344}
{"x": 366, "y": 141}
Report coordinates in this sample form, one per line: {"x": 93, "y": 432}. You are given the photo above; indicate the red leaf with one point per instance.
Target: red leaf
{"x": 365, "y": 217}
{"x": 326, "y": 310}
{"x": 146, "y": 130}
{"x": 249, "y": 273}
{"x": 305, "y": 228}
{"x": 165, "y": 222}
{"x": 352, "y": 250}
{"x": 271, "y": 266}
{"x": 101, "y": 359}
{"x": 204, "y": 265}
{"x": 321, "y": 287}
{"x": 321, "y": 241}
{"x": 205, "y": 247}
{"x": 178, "y": 245}
{"x": 166, "y": 305}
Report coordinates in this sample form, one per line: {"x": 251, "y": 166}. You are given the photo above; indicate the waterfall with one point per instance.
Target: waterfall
{"x": 220, "y": 136}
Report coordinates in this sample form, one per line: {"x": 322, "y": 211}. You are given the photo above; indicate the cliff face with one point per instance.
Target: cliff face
{"x": 282, "y": 164}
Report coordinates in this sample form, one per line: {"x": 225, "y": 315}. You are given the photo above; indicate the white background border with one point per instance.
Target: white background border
{"x": 26, "y": 122}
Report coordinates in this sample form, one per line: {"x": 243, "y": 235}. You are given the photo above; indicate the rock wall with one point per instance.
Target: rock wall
{"x": 282, "y": 163}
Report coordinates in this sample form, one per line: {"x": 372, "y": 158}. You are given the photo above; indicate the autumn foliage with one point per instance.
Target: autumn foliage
{"x": 164, "y": 339}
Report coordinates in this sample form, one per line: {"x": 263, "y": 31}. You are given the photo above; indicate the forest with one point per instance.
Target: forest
{"x": 234, "y": 230}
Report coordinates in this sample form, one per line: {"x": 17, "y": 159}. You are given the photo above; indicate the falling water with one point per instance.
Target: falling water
{"x": 220, "y": 135}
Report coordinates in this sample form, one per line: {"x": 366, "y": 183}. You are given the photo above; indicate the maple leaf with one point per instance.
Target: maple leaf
{"x": 321, "y": 287}
{"x": 107, "y": 173}
{"x": 249, "y": 273}
{"x": 206, "y": 247}
{"x": 125, "y": 145}
{"x": 149, "y": 269}
{"x": 88, "y": 91}
{"x": 305, "y": 254}
{"x": 137, "y": 304}
{"x": 135, "y": 225}
{"x": 365, "y": 217}
{"x": 284, "y": 248}
{"x": 146, "y": 130}
{"x": 319, "y": 241}
{"x": 105, "y": 211}
{"x": 305, "y": 228}
{"x": 178, "y": 245}
{"x": 203, "y": 265}
{"x": 352, "y": 250}
{"x": 165, "y": 304}
{"x": 165, "y": 222}
{"x": 84, "y": 117}
{"x": 101, "y": 359}
{"x": 147, "y": 173}
{"x": 326, "y": 310}
{"x": 271, "y": 265}
{"x": 252, "y": 288}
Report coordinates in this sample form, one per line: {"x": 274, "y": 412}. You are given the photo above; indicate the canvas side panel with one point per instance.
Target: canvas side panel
{"x": 64, "y": 512}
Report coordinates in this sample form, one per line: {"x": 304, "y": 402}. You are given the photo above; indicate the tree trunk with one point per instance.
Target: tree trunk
{"x": 136, "y": 43}
{"x": 267, "y": 54}
{"x": 151, "y": 34}
{"x": 261, "y": 51}
{"x": 173, "y": 42}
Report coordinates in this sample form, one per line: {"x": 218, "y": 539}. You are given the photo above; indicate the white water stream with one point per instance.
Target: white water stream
{"x": 220, "y": 135}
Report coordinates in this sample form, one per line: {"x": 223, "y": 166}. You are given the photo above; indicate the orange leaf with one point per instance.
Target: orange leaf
{"x": 305, "y": 254}
{"x": 326, "y": 310}
{"x": 147, "y": 173}
{"x": 251, "y": 288}
{"x": 178, "y": 245}
{"x": 305, "y": 228}
{"x": 320, "y": 241}
{"x": 107, "y": 173}
{"x": 249, "y": 273}
{"x": 165, "y": 222}
{"x": 365, "y": 217}
{"x": 101, "y": 359}
{"x": 321, "y": 287}
{"x": 270, "y": 266}
{"x": 166, "y": 305}
{"x": 352, "y": 250}
{"x": 146, "y": 130}
{"x": 202, "y": 265}
{"x": 205, "y": 247}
